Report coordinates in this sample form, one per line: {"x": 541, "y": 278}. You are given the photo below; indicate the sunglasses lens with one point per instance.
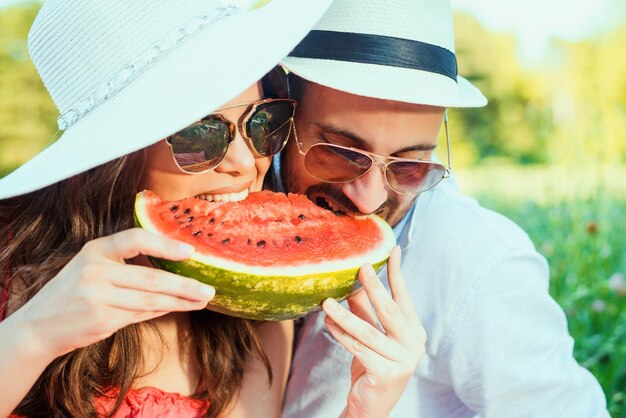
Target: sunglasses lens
{"x": 336, "y": 164}
{"x": 201, "y": 146}
{"x": 269, "y": 126}
{"x": 414, "y": 177}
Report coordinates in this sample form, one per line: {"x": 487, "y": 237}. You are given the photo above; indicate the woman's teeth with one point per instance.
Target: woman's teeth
{"x": 226, "y": 197}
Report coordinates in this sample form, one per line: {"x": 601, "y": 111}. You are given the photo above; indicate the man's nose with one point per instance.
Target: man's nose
{"x": 369, "y": 192}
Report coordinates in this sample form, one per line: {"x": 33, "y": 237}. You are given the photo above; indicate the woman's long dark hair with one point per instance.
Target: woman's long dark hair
{"x": 41, "y": 232}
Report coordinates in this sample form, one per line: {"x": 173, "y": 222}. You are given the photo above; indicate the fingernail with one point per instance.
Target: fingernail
{"x": 332, "y": 305}
{"x": 368, "y": 269}
{"x": 207, "y": 291}
{"x": 186, "y": 248}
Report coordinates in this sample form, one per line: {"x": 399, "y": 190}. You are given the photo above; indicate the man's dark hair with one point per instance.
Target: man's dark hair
{"x": 280, "y": 84}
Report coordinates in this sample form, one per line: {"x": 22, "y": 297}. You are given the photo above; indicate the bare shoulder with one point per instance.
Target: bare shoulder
{"x": 275, "y": 333}
{"x": 257, "y": 396}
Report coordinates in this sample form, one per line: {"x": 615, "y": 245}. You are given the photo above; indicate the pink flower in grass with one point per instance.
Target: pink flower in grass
{"x": 598, "y": 305}
{"x": 617, "y": 283}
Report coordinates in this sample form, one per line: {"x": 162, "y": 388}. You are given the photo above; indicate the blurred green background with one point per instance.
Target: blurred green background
{"x": 549, "y": 151}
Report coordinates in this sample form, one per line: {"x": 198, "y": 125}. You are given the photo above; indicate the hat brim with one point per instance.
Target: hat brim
{"x": 204, "y": 72}
{"x": 387, "y": 82}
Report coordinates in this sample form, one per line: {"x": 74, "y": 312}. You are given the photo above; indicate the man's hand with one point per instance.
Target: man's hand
{"x": 385, "y": 356}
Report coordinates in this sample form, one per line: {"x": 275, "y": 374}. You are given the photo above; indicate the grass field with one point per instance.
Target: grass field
{"x": 577, "y": 220}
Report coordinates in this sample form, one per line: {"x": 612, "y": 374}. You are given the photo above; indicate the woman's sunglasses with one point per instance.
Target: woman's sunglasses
{"x": 265, "y": 126}
{"x": 338, "y": 164}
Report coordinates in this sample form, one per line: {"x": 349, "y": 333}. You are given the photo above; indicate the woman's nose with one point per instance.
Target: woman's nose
{"x": 238, "y": 159}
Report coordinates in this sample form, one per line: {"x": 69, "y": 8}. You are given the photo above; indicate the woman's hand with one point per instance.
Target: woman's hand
{"x": 97, "y": 293}
{"x": 384, "y": 359}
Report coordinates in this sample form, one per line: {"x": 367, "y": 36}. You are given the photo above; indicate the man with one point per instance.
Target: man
{"x": 373, "y": 82}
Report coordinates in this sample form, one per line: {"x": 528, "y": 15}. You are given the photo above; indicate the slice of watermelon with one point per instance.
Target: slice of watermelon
{"x": 271, "y": 256}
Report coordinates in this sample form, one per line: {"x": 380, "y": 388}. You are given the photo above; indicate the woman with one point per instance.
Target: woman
{"x": 90, "y": 328}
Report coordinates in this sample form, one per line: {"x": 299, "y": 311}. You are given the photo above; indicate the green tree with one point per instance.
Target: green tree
{"x": 590, "y": 101}
{"x": 516, "y": 124}
{"x": 27, "y": 114}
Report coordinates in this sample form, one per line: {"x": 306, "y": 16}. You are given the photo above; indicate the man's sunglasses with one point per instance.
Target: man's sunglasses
{"x": 338, "y": 164}
{"x": 265, "y": 126}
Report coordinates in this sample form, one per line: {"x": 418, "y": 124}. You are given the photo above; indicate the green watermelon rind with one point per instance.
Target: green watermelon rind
{"x": 272, "y": 298}
{"x": 272, "y": 293}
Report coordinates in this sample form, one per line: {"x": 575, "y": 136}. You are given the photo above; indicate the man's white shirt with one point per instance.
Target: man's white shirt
{"x": 498, "y": 344}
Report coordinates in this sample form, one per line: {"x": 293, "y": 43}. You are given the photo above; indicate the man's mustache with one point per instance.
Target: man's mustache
{"x": 333, "y": 193}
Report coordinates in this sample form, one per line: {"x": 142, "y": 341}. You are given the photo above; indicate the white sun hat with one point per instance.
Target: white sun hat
{"x": 400, "y": 50}
{"x": 125, "y": 74}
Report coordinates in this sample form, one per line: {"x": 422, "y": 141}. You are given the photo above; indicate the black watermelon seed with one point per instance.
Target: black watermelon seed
{"x": 249, "y": 241}
{"x": 260, "y": 243}
{"x": 298, "y": 239}
{"x": 174, "y": 208}
{"x": 187, "y": 211}
{"x": 209, "y": 235}
{"x": 197, "y": 233}
{"x": 226, "y": 241}
{"x": 212, "y": 221}
{"x": 190, "y": 218}
{"x": 301, "y": 216}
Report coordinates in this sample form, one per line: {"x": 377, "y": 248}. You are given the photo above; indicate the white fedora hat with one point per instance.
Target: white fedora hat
{"x": 125, "y": 74}
{"x": 400, "y": 50}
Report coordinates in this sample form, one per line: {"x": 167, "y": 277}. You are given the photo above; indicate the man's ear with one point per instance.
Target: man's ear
{"x": 276, "y": 84}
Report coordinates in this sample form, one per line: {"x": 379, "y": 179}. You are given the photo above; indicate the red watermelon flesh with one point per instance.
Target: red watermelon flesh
{"x": 266, "y": 229}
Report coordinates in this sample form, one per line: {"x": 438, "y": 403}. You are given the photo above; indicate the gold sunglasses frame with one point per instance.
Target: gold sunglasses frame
{"x": 241, "y": 125}
{"x": 386, "y": 160}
